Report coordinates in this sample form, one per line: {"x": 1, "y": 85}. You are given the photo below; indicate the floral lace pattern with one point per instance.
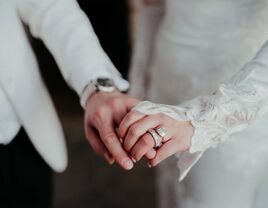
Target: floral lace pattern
{"x": 231, "y": 109}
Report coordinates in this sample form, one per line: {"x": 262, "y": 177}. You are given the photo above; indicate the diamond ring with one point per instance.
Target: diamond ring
{"x": 157, "y": 139}
{"x": 161, "y": 132}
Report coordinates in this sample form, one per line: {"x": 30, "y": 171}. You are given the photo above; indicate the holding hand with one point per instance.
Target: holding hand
{"x": 143, "y": 133}
{"x": 103, "y": 113}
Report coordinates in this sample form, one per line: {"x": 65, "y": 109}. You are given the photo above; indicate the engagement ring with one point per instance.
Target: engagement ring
{"x": 157, "y": 139}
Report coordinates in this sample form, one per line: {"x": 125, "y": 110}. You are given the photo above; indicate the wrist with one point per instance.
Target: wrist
{"x": 99, "y": 95}
{"x": 99, "y": 85}
{"x": 188, "y": 132}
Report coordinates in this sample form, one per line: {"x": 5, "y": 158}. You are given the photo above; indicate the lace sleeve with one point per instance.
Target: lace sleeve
{"x": 232, "y": 108}
{"x": 148, "y": 22}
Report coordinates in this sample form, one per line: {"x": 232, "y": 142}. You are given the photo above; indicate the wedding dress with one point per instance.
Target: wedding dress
{"x": 212, "y": 56}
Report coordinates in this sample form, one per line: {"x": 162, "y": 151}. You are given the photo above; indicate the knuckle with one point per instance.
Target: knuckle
{"x": 131, "y": 115}
{"x": 133, "y": 130}
{"x": 96, "y": 120}
{"x": 100, "y": 115}
{"x": 114, "y": 102}
{"x": 147, "y": 141}
{"x": 128, "y": 118}
{"x": 123, "y": 126}
{"x": 119, "y": 156}
{"x": 100, "y": 111}
{"x": 109, "y": 138}
{"x": 127, "y": 146}
{"x": 121, "y": 130}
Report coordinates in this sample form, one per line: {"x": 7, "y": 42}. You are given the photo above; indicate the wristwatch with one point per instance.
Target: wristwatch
{"x": 98, "y": 85}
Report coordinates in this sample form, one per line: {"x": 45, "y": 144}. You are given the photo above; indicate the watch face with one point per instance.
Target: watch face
{"x": 105, "y": 82}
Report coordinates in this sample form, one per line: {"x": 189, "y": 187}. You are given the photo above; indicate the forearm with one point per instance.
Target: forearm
{"x": 234, "y": 106}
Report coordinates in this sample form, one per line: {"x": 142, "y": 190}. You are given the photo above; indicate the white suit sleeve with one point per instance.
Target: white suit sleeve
{"x": 232, "y": 108}
{"x": 68, "y": 34}
{"x": 148, "y": 22}
{"x": 9, "y": 122}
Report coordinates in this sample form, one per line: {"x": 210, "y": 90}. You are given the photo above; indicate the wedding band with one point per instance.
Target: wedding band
{"x": 157, "y": 139}
{"x": 161, "y": 132}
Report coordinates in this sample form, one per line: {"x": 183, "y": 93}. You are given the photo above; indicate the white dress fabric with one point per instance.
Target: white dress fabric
{"x": 212, "y": 57}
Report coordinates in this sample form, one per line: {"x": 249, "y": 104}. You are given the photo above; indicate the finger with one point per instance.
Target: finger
{"x": 138, "y": 129}
{"x": 144, "y": 145}
{"x": 119, "y": 115}
{"x": 128, "y": 120}
{"x": 119, "y": 109}
{"x": 131, "y": 102}
{"x": 151, "y": 154}
{"x": 112, "y": 143}
{"x": 166, "y": 150}
{"x": 96, "y": 144}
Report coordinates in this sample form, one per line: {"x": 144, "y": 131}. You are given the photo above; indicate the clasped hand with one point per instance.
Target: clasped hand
{"x": 121, "y": 135}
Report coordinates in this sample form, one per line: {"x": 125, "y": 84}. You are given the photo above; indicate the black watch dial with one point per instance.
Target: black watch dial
{"x": 105, "y": 82}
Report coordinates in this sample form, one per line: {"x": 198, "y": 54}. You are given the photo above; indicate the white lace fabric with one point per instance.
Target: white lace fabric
{"x": 235, "y": 105}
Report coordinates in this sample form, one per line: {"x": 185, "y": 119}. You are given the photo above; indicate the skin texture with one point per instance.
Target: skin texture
{"x": 138, "y": 142}
{"x": 103, "y": 114}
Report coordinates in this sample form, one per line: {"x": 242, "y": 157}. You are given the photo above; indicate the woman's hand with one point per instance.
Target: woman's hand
{"x": 134, "y": 129}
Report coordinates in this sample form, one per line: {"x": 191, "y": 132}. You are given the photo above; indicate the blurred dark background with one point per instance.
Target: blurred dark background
{"x": 89, "y": 181}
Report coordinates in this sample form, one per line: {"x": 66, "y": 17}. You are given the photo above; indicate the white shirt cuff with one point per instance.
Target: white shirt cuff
{"x": 80, "y": 81}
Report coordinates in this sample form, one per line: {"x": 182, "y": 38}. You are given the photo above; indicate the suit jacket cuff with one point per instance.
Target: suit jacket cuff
{"x": 79, "y": 81}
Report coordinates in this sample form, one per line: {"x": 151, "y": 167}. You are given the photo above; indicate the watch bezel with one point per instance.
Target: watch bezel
{"x": 105, "y": 85}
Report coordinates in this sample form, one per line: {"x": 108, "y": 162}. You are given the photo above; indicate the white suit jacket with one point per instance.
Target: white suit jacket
{"x": 24, "y": 100}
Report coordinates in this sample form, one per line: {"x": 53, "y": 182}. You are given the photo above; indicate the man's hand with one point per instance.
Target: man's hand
{"x": 103, "y": 114}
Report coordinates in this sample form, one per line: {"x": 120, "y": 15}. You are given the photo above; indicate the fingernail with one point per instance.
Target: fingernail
{"x": 149, "y": 165}
{"x": 133, "y": 159}
{"x": 121, "y": 141}
{"x": 127, "y": 163}
{"x": 151, "y": 154}
{"x": 108, "y": 158}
